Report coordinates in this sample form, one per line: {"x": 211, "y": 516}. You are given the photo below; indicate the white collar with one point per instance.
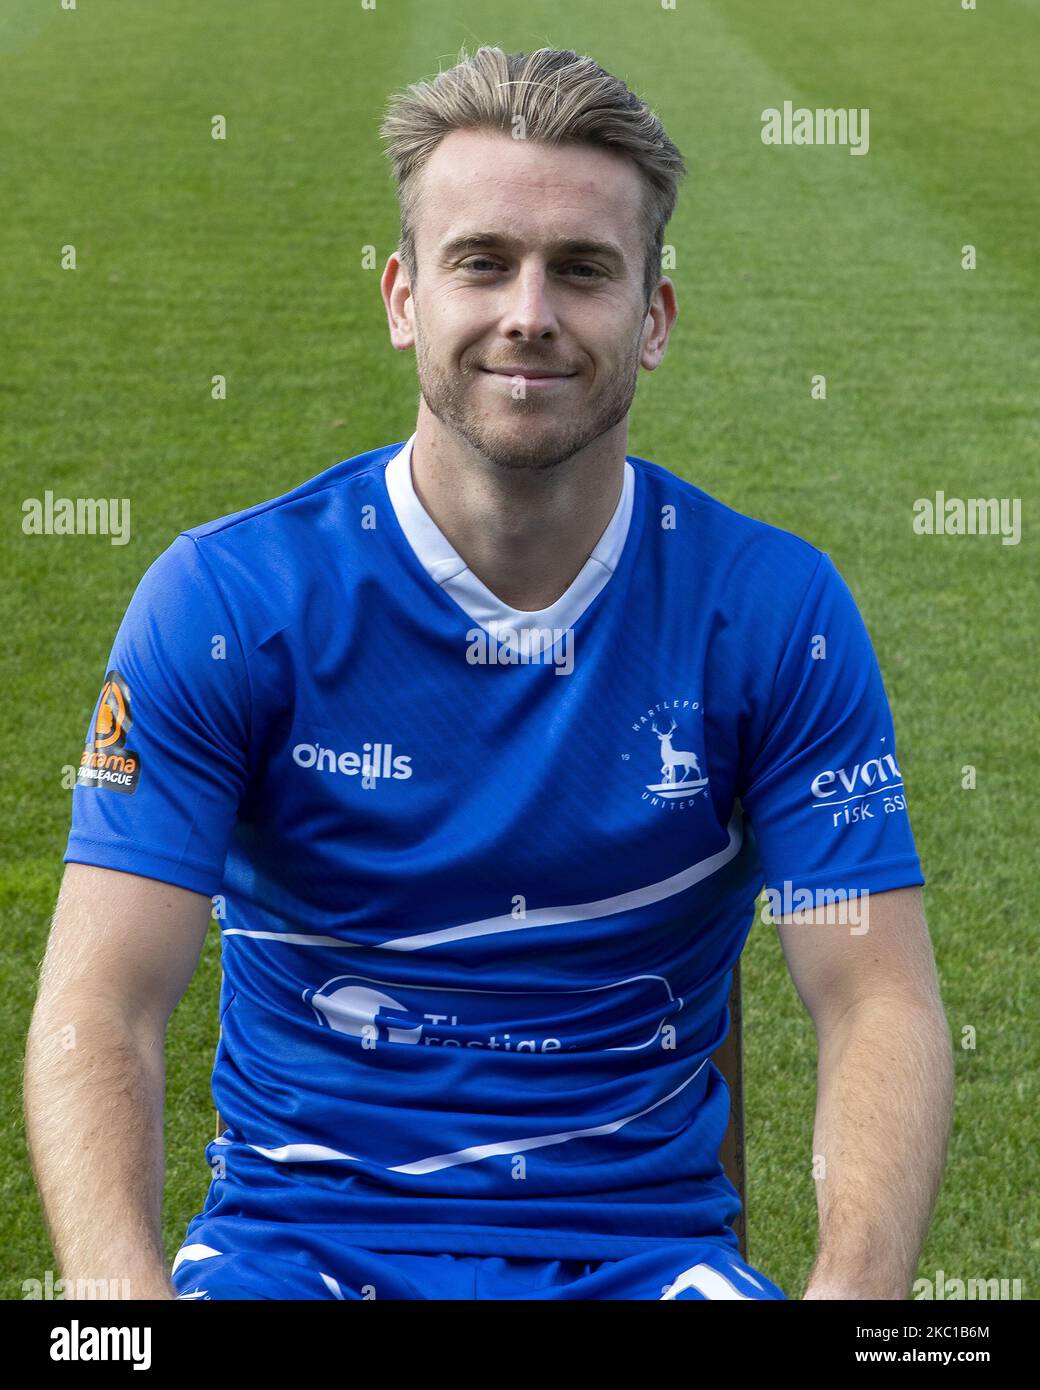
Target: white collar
{"x": 448, "y": 570}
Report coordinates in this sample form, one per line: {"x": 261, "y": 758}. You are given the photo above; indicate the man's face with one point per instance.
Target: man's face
{"x": 500, "y": 294}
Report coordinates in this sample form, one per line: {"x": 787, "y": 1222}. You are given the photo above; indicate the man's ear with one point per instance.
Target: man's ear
{"x": 396, "y": 290}
{"x": 661, "y": 314}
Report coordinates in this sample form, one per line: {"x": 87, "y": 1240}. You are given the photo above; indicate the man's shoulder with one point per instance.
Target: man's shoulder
{"x": 251, "y": 562}
{"x": 722, "y": 535}
{"x": 307, "y": 500}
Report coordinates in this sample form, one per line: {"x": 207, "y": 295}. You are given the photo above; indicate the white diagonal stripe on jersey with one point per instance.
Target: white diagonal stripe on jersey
{"x": 317, "y": 1153}
{"x": 580, "y": 912}
{"x": 294, "y": 938}
{"x": 539, "y": 916}
{"x": 705, "y": 1280}
{"x": 512, "y": 1146}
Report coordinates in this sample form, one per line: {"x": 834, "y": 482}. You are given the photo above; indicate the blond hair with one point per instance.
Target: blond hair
{"x": 556, "y": 97}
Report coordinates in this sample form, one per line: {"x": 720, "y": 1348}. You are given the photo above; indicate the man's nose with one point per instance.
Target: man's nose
{"x": 529, "y": 312}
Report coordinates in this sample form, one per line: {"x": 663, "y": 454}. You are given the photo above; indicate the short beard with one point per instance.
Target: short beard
{"x": 449, "y": 398}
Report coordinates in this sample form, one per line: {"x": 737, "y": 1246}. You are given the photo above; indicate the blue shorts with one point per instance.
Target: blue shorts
{"x": 239, "y": 1258}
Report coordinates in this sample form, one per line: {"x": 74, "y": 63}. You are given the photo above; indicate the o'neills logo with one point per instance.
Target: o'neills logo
{"x": 106, "y": 761}
{"x": 374, "y": 761}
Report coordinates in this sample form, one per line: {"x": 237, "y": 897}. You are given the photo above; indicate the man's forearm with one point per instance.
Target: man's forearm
{"x": 883, "y": 1111}
{"x": 94, "y": 1113}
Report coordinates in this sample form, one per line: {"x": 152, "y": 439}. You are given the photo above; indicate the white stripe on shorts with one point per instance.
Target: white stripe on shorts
{"x": 705, "y": 1280}
{"x": 194, "y": 1252}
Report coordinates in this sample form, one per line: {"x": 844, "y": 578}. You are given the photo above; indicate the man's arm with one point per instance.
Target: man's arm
{"x": 121, "y": 952}
{"x": 884, "y": 1091}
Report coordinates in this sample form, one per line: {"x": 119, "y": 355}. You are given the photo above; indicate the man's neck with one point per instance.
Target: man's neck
{"x": 525, "y": 533}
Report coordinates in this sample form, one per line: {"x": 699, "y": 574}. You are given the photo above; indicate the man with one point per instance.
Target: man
{"x": 486, "y": 743}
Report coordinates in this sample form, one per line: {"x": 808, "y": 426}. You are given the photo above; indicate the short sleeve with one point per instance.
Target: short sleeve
{"x": 825, "y": 792}
{"x": 165, "y": 763}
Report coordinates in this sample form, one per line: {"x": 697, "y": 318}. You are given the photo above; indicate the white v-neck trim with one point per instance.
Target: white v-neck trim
{"x": 449, "y": 571}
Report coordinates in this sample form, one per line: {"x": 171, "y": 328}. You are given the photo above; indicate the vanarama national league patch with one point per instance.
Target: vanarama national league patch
{"x": 106, "y": 761}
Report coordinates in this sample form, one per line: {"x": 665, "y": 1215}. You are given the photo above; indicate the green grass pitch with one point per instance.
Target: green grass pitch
{"x": 245, "y": 257}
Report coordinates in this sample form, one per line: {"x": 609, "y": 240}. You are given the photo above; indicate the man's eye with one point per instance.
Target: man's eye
{"x": 481, "y": 264}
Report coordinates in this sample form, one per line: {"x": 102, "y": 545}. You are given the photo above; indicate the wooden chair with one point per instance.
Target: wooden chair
{"x": 730, "y": 1061}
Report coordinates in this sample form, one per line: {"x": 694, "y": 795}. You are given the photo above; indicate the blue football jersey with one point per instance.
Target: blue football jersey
{"x": 483, "y": 874}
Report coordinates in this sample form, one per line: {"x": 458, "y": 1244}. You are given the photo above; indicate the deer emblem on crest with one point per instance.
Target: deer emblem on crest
{"x": 674, "y": 758}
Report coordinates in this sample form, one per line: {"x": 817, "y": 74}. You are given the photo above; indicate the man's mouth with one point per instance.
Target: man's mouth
{"x": 531, "y": 375}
